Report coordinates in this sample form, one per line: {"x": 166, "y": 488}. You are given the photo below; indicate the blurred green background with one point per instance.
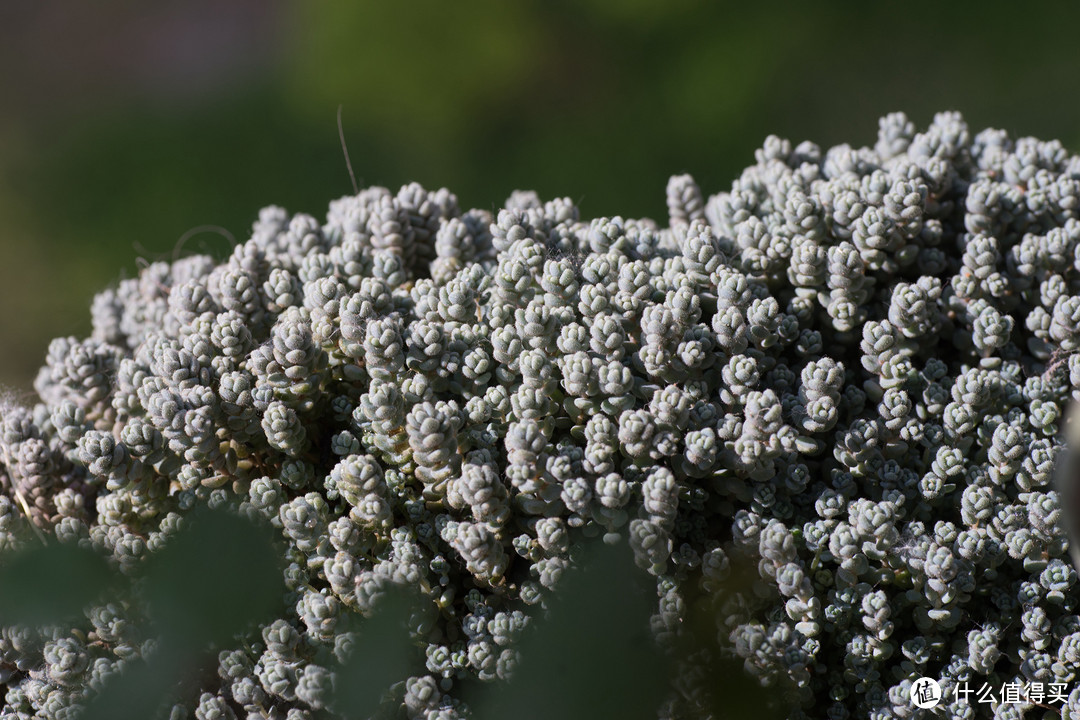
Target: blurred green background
{"x": 124, "y": 125}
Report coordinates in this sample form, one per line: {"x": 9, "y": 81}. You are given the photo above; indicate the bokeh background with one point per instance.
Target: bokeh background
{"x": 127, "y": 126}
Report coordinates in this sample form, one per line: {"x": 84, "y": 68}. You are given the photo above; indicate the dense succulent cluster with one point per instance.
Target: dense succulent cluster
{"x": 848, "y": 371}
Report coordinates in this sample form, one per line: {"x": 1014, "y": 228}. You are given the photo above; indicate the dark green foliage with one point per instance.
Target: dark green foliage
{"x": 220, "y": 575}
{"x": 593, "y": 655}
{"x": 51, "y": 583}
{"x": 382, "y": 656}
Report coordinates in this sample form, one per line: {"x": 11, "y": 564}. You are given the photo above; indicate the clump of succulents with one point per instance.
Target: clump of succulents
{"x": 847, "y": 371}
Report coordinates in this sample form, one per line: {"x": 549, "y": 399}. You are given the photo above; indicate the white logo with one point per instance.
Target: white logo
{"x": 925, "y": 693}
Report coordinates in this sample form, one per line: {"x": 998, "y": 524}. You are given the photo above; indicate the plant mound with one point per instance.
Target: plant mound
{"x": 846, "y": 373}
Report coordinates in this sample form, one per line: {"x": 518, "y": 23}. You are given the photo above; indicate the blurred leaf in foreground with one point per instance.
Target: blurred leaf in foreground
{"x": 382, "y": 655}
{"x": 139, "y": 692}
{"x": 593, "y": 655}
{"x": 220, "y": 575}
{"x": 710, "y": 678}
{"x": 48, "y": 584}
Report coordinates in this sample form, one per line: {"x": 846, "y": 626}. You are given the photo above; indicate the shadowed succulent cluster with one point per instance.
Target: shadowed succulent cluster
{"x": 846, "y": 372}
